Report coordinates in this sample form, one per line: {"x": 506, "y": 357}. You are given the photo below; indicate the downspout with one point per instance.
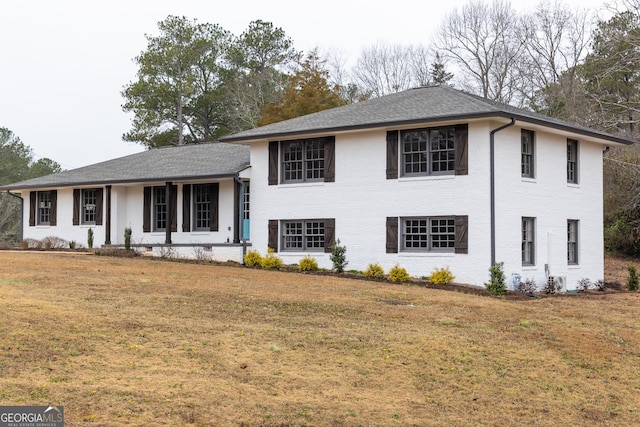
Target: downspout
{"x": 493, "y": 187}
{"x": 238, "y": 181}
{"x": 21, "y": 213}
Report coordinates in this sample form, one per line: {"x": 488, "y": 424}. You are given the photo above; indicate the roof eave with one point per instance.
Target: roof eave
{"x": 377, "y": 125}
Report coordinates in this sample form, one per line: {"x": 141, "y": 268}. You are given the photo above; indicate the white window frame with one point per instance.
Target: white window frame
{"x": 528, "y": 153}
{"x": 528, "y": 238}
{"x": 308, "y": 163}
{"x": 573, "y": 240}
{"x": 302, "y": 235}
{"x": 572, "y": 161}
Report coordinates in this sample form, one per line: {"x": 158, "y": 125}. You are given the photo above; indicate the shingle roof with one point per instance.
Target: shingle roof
{"x": 161, "y": 164}
{"x": 420, "y": 105}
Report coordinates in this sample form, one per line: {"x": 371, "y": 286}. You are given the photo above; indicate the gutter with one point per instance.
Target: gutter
{"x": 21, "y": 213}
{"x": 493, "y": 187}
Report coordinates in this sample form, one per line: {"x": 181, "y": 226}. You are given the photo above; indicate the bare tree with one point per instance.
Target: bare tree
{"x": 555, "y": 39}
{"x": 382, "y": 69}
{"x": 481, "y": 42}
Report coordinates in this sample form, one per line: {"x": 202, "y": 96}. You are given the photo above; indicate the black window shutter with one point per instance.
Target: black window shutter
{"x": 330, "y": 159}
{"x": 214, "y": 190}
{"x": 461, "y": 147}
{"x": 462, "y": 233}
{"x": 146, "y": 210}
{"x": 99, "y": 196}
{"x": 33, "y": 208}
{"x": 53, "y": 219}
{"x": 392, "y": 154}
{"x": 329, "y": 234}
{"x": 273, "y": 162}
{"x": 174, "y": 207}
{"x": 76, "y": 206}
{"x": 273, "y": 234}
{"x": 392, "y": 235}
{"x": 186, "y": 208}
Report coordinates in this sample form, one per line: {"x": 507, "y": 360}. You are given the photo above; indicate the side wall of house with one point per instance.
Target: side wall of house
{"x": 361, "y": 198}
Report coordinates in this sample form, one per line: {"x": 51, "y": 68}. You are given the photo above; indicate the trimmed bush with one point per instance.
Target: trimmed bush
{"x": 127, "y": 238}
{"x": 398, "y": 274}
{"x": 271, "y": 261}
{"x": 308, "y": 263}
{"x": 527, "y": 286}
{"x": 253, "y": 259}
{"x": 375, "y": 271}
{"x": 90, "y": 238}
{"x": 441, "y": 276}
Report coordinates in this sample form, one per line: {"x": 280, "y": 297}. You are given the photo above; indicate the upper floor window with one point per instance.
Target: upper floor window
{"x": 528, "y": 241}
{"x": 572, "y": 161}
{"x": 528, "y": 153}
{"x": 302, "y": 160}
{"x": 428, "y": 151}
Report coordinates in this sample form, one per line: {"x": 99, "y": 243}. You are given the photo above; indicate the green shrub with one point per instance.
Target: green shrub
{"x": 339, "y": 257}
{"x": 253, "y": 259}
{"x": 127, "y": 238}
{"x": 308, "y": 263}
{"x": 374, "y": 270}
{"x": 271, "y": 261}
{"x": 398, "y": 274}
{"x": 441, "y": 276}
{"x": 497, "y": 284}
{"x": 632, "y": 283}
{"x": 90, "y": 238}
{"x": 72, "y": 244}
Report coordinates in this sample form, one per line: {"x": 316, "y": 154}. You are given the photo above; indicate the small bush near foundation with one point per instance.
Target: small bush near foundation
{"x": 497, "y": 283}
{"x": 53, "y": 242}
{"x": 127, "y": 238}
{"x": 375, "y": 271}
{"x": 90, "y": 238}
{"x": 584, "y": 284}
{"x": 271, "y": 261}
{"x": 72, "y": 244}
{"x": 339, "y": 257}
{"x": 527, "y": 286}
{"x": 252, "y": 258}
{"x": 441, "y": 276}
{"x": 31, "y": 244}
{"x": 600, "y": 285}
{"x": 308, "y": 263}
{"x": 398, "y": 274}
{"x": 632, "y": 283}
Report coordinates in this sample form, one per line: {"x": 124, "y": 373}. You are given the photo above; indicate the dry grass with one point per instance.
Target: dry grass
{"x": 145, "y": 342}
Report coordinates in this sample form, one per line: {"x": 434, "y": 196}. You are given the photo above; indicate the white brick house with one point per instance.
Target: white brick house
{"x": 432, "y": 177}
{"x": 426, "y": 178}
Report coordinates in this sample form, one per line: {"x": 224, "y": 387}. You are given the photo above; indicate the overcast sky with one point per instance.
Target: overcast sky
{"x": 63, "y": 63}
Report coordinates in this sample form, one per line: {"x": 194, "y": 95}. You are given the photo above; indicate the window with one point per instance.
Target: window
{"x": 302, "y": 235}
{"x": 87, "y": 206}
{"x": 528, "y": 159}
{"x": 428, "y": 234}
{"x": 303, "y": 160}
{"x": 572, "y": 161}
{"x": 89, "y": 199}
{"x": 44, "y": 208}
{"x": 428, "y": 151}
{"x": 572, "y": 241}
{"x": 528, "y": 241}
{"x": 245, "y": 201}
{"x": 201, "y": 206}
{"x": 159, "y": 208}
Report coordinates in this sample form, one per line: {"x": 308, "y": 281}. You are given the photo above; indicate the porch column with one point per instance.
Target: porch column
{"x": 107, "y": 220}
{"x": 167, "y": 239}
